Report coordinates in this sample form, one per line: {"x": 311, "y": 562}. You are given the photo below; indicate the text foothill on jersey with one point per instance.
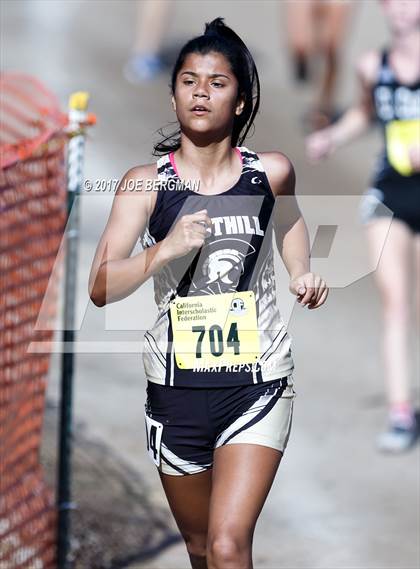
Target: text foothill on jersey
{"x": 236, "y": 224}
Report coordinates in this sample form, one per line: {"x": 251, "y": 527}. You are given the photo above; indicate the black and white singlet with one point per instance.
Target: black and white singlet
{"x": 394, "y": 188}
{"x": 218, "y": 322}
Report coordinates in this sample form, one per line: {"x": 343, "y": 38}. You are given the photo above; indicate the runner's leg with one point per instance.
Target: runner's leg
{"x": 392, "y": 278}
{"x": 299, "y": 34}
{"x": 331, "y": 22}
{"x": 189, "y": 498}
{"x": 242, "y": 478}
{"x": 416, "y": 285}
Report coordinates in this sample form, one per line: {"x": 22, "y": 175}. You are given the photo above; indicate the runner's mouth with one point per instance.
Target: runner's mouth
{"x": 200, "y": 110}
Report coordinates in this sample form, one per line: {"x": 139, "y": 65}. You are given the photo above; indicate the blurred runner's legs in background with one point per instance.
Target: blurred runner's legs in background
{"x": 152, "y": 22}
{"x": 395, "y": 281}
{"x": 315, "y": 30}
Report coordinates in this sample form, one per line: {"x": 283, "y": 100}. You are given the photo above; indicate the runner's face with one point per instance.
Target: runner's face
{"x": 402, "y": 15}
{"x": 206, "y": 81}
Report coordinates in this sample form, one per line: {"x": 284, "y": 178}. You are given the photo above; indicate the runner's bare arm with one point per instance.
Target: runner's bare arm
{"x": 289, "y": 226}
{"x": 355, "y": 120}
{"x": 358, "y": 117}
{"x": 114, "y": 274}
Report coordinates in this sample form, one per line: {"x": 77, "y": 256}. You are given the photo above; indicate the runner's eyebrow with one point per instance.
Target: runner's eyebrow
{"x": 212, "y": 75}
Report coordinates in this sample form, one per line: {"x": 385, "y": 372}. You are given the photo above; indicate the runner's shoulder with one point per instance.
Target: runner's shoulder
{"x": 135, "y": 186}
{"x": 137, "y": 176}
{"x": 279, "y": 170}
{"x": 368, "y": 65}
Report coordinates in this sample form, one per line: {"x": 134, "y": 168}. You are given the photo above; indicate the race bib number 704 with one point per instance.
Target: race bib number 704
{"x": 215, "y": 330}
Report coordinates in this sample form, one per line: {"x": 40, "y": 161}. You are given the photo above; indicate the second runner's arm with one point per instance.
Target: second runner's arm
{"x": 355, "y": 120}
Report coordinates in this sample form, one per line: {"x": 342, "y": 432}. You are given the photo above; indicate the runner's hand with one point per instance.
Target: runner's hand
{"x": 310, "y": 289}
{"x": 320, "y": 145}
{"x": 188, "y": 233}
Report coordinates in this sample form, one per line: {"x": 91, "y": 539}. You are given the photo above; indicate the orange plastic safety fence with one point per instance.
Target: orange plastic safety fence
{"x": 32, "y": 220}
{"x": 30, "y": 115}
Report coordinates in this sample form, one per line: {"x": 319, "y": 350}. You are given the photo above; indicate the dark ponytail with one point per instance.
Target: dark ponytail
{"x": 220, "y": 38}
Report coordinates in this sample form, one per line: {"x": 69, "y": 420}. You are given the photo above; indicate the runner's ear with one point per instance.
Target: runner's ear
{"x": 240, "y": 105}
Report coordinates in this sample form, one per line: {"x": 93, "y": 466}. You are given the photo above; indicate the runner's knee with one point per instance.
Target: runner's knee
{"x": 330, "y": 51}
{"x": 394, "y": 298}
{"x": 196, "y": 543}
{"x": 226, "y": 550}
{"x": 396, "y": 310}
{"x": 394, "y": 301}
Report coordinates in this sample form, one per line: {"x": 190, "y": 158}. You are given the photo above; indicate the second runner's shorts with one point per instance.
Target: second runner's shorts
{"x": 185, "y": 425}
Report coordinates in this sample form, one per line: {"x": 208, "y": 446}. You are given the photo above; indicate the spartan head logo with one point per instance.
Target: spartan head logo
{"x": 237, "y": 306}
{"x": 220, "y": 266}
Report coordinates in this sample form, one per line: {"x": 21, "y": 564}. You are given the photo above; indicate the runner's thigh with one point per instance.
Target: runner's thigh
{"x": 189, "y": 499}
{"x": 242, "y": 477}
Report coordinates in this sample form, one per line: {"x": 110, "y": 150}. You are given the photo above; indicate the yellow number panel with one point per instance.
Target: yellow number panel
{"x": 215, "y": 330}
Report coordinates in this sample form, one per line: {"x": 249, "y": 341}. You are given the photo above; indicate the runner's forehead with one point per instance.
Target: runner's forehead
{"x": 213, "y": 64}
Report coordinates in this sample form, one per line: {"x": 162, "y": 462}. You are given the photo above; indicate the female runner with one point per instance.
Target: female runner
{"x": 217, "y": 360}
{"x": 390, "y": 91}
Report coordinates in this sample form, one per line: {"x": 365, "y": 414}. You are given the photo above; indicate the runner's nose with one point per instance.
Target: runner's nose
{"x": 200, "y": 91}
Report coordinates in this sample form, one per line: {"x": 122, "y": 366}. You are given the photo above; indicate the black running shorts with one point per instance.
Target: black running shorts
{"x": 185, "y": 425}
